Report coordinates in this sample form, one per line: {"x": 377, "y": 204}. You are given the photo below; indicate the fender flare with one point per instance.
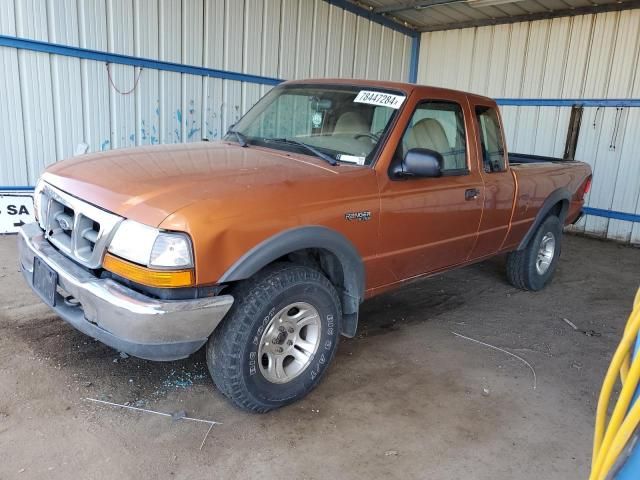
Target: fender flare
{"x": 559, "y": 195}
{"x": 301, "y": 238}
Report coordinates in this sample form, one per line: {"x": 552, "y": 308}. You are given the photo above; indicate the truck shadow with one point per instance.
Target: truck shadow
{"x": 424, "y": 300}
{"x": 95, "y": 369}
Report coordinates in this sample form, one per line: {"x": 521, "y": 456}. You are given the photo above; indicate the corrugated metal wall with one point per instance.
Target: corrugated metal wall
{"x": 592, "y": 56}
{"x": 51, "y": 103}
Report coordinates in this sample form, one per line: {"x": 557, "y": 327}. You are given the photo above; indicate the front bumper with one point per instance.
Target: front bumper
{"x": 118, "y": 316}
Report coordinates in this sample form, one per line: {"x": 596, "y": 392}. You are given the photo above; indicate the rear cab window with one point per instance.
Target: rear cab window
{"x": 491, "y": 139}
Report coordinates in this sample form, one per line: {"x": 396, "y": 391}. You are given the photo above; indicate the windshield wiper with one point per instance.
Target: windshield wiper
{"x": 314, "y": 150}
{"x": 242, "y": 140}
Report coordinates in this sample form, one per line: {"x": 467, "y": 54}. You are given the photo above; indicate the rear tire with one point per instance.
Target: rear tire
{"x": 534, "y": 266}
{"x": 278, "y": 339}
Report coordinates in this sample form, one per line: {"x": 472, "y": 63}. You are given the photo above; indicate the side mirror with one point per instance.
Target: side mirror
{"x": 420, "y": 162}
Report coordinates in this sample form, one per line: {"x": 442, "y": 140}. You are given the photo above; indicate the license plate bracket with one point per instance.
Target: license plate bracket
{"x": 45, "y": 281}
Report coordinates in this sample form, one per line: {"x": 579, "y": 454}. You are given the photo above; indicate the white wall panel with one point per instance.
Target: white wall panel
{"x": 170, "y": 24}
{"x": 37, "y": 97}
{"x": 65, "y": 77}
{"x": 12, "y": 140}
{"x": 347, "y": 44}
{"x": 394, "y": 50}
{"x": 55, "y": 102}
{"x": 146, "y": 28}
{"x": 361, "y": 51}
{"x": 191, "y": 102}
{"x": 591, "y": 56}
{"x": 234, "y": 34}
{"x": 122, "y": 77}
{"x": 319, "y": 38}
{"x": 96, "y": 111}
{"x": 334, "y": 40}
{"x": 372, "y": 58}
{"x": 626, "y": 192}
{"x": 213, "y": 48}
{"x": 254, "y": 30}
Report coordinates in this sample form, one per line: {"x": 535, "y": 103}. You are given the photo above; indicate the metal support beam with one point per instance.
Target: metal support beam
{"x": 567, "y": 12}
{"x": 108, "y": 57}
{"x": 415, "y": 5}
{"x": 373, "y": 16}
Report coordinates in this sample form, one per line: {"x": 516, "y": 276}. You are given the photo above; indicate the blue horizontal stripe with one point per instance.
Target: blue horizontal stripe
{"x": 16, "y": 189}
{"x": 57, "y": 49}
{"x": 569, "y": 102}
{"x": 599, "y": 212}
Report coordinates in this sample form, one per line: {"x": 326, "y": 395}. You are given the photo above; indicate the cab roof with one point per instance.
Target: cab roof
{"x": 406, "y": 88}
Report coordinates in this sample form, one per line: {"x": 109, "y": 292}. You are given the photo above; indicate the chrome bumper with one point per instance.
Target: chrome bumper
{"x": 118, "y": 316}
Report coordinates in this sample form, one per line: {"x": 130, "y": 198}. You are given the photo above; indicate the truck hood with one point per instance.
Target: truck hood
{"x": 150, "y": 183}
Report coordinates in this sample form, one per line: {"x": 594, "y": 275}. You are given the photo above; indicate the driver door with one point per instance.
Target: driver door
{"x": 432, "y": 223}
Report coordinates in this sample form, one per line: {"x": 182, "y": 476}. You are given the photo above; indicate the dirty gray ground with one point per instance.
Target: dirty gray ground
{"x": 405, "y": 399}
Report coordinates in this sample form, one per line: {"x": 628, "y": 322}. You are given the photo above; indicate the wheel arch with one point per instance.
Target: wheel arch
{"x": 335, "y": 254}
{"x": 558, "y": 203}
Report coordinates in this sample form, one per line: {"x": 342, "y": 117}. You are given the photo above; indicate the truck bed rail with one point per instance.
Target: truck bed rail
{"x": 518, "y": 158}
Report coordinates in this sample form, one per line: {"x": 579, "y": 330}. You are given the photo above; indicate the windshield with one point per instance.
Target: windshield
{"x": 343, "y": 123}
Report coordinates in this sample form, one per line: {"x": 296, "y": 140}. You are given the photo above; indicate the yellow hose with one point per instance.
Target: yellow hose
{"x": 608, "y": 444}
{"x": 622, "y": 437}
{"x": 609, "y": 381}
{"x": 626, "y": 363}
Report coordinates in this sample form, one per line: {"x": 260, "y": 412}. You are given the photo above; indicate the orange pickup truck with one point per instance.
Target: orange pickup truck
{"x": 263, "y": 245}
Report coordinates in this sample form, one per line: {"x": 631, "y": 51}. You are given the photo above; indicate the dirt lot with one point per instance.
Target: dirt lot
{"x": 405, "y": 399}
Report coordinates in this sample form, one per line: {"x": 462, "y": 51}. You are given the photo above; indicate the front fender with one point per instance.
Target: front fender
{"x": 301, "y": 238}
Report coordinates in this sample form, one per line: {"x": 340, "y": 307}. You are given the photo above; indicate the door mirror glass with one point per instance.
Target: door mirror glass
{"x": 421, "y": 162}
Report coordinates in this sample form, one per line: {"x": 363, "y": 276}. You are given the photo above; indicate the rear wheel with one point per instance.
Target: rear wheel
{"x": 278, "y": 339}
{"x": 534, "y": 266}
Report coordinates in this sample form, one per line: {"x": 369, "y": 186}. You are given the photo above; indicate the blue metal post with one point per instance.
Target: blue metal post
{"x": 415, "y": 58}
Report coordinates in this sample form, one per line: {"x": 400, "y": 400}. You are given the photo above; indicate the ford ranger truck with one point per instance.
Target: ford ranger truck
{"x": 262, "y": 246}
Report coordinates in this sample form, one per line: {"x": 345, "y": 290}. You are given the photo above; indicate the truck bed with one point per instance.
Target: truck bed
{"x": 537, "y": 177}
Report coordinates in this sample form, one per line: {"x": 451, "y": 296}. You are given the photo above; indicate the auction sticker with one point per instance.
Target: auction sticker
{"x": 380, "y": 99}
{"x": 351, "y": 159}
{"x": 16, "y": 209}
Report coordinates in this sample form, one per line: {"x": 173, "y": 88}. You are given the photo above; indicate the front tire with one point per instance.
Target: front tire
{"x": 534, "y": 266}
{"x": 278, "y": 339}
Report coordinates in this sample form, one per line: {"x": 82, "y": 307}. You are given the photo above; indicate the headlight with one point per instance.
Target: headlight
{"x": 151, "y": 247}
{"x": 171, "y": 250}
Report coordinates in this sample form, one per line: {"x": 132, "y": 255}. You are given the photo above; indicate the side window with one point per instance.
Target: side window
{"x": 438, "y": 126}
{"x": 491, "y": 140}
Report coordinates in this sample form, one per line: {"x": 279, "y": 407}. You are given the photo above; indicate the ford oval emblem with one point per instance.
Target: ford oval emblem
{"x": 64, "y": 223}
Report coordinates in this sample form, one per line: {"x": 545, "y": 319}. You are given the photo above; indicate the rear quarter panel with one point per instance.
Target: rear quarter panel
{"x": 535, "y": 183}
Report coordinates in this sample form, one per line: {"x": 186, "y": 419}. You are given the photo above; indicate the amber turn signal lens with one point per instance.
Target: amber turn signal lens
{"x": 147, "y": 276}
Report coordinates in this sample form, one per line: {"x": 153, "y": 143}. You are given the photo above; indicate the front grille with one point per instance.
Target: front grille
{"x": 77, "y": 228}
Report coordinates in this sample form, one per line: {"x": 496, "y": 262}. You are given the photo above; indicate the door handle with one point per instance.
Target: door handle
{"x": 471, "y": 193}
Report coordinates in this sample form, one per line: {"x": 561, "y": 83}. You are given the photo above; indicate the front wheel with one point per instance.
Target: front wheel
{"x": 278, "y": 339}
{"x": 533, "y": 267}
